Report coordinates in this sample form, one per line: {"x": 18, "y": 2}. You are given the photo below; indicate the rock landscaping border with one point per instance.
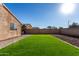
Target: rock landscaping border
{"x": 69, "y": 39}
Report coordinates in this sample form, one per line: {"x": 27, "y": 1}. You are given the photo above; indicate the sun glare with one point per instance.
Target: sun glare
{"x": 67, "y": 8}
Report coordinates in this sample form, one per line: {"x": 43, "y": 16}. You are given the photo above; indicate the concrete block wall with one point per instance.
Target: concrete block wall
{"x": 71, "y": 31}
{"x": 42, "y": 31}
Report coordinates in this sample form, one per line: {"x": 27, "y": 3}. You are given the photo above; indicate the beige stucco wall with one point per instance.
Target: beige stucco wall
{"x": 5, "y": 19}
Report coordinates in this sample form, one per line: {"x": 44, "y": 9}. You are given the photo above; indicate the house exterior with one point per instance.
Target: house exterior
{"x": 28, "y": 26}
{"x": 10, "y": 26}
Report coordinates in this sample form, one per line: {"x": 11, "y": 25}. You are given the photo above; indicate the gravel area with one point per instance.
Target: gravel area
{"x": 7, "y": 42}
{"x": 72, "y": 40}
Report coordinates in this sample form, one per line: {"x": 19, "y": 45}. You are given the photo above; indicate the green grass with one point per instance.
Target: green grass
{"x": 39, "y": 45}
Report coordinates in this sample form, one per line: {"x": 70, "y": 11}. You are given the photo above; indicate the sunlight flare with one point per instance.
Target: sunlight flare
{"x": 67, "y": 8}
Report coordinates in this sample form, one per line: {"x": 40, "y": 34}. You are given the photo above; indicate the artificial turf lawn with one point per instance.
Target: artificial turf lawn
{"x": 39, "y": 45}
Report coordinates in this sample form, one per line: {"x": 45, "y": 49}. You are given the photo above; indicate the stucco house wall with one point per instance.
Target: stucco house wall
{"x": 6, "y": 19}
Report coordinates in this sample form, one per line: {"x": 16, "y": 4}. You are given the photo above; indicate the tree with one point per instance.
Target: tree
{"x": 60, "y": 27}
{"x": 51, "y": 27}
{"x": 74, "y": 25}
{"x": 35, "y": 28}
{"x": 23, "y": 29}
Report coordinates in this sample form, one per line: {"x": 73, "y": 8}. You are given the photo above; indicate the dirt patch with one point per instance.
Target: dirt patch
{"x": 72, "y": 40}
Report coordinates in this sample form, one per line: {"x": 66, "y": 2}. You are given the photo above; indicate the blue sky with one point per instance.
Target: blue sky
{"x": 42, "y": 15}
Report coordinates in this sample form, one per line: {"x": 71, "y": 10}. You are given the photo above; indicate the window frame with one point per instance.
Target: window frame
{"x": 13, "y": 26}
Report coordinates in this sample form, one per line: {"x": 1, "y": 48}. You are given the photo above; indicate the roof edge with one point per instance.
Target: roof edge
{"x": 11, "y": 13}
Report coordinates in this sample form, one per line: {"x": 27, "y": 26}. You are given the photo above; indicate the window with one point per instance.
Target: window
{"x": 12, "y": 26}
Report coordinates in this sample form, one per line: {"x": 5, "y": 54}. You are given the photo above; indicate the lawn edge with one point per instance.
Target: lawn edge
{"x": 18, "y": 39}
{"x": 67, "y": 43}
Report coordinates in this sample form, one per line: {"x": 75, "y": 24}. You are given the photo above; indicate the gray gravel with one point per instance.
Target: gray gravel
{"x": 72, "y": 40}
